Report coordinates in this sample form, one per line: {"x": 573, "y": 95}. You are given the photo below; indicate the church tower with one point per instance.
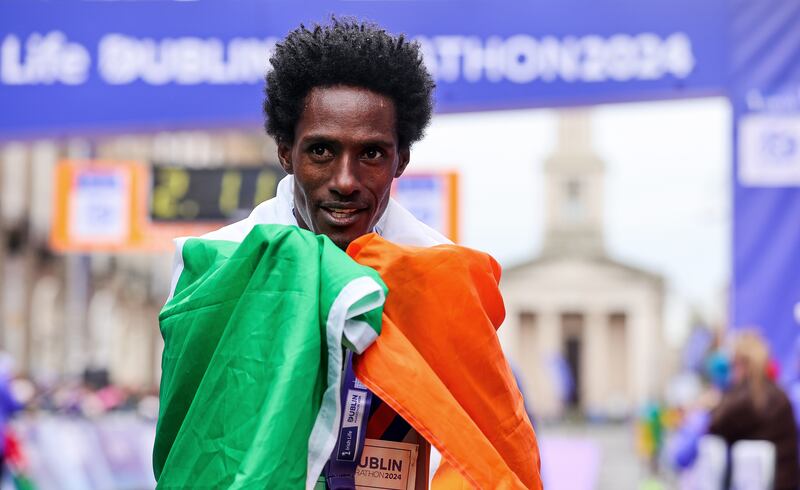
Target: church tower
{"x": 574, "y": 181}
{"x": 585, "y": 329}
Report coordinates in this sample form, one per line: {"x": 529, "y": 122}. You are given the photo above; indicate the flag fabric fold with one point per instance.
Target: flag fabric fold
{"x": 438, "y": 363}
{"x": 253, "y": 336}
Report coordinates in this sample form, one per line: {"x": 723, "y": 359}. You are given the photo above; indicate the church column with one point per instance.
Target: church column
{"x": 550, "y": 332}
{"x": 643, "y": 353}
{"x": 549, "y": 402}
{"x": 596, "y": 360}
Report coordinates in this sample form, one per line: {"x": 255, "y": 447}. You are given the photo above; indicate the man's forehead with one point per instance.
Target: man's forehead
{"x": 330, "y": 112}
{"x": 368, "y": 136}
{"x": 345, "y": 100}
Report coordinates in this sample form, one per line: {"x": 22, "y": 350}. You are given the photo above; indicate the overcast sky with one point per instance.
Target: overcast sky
{"x": 667, "y": 203}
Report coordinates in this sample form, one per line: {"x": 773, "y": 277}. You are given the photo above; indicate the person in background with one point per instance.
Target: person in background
{"x": 683, "y": 443}
{"x": 755, "y": 408}
{"x": 791, "y": 380}
{"x": 9, "y": 405}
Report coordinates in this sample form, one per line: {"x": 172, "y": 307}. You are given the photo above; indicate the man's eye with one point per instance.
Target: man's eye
{"x": 319, "y": 151}
{"x": 373, "y": 153}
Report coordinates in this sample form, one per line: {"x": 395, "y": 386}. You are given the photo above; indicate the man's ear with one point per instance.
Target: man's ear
{"x": 405, "y": 157}
{"x": 285, "y": 157}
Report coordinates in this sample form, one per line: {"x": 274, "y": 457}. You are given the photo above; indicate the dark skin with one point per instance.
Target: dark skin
{"x": 344, "y": 157}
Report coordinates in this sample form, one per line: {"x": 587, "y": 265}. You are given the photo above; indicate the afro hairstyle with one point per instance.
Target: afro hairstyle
{"x": 351, "y": 53}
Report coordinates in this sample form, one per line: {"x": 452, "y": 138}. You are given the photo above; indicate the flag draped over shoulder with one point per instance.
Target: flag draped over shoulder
{"x": 438, "y": 363}
{"x": 252, "y": 361}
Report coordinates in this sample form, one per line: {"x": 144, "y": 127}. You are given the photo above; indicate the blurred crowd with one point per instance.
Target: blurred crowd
{"x": 108, "y": 429}
{"x": 728, "y": 418}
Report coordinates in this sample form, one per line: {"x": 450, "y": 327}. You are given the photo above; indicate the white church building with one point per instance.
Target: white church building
{"x": 573, "y": 309}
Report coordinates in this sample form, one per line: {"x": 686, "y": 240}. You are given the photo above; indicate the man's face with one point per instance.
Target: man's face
{"x": 344, "y": 157}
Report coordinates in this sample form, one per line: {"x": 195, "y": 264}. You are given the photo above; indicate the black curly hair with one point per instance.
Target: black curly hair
{"x": 354, "y": 53}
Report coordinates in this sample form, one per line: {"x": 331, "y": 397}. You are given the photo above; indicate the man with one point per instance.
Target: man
{"x": 345, "y": 102}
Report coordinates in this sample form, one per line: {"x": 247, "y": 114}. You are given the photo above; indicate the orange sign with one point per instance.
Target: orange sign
{"x": 101, "y": 206}
{"x": 432, "y": 197}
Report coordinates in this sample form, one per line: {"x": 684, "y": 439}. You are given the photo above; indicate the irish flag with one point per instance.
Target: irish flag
{"x": 253, "y": 359}
{"x": 252, "y": 363}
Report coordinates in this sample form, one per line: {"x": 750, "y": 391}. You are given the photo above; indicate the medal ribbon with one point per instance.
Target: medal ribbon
{"x": 356, "y": 399}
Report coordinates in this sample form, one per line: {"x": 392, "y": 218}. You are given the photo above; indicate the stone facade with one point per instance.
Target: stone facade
{"x": 574, "y": 315}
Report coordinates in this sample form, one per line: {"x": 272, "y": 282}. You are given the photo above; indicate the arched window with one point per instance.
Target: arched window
{"x": 574, "y": 201}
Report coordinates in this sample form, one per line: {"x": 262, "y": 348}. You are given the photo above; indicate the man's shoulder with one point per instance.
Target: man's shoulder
{"x": 267, "y": 213}
{"x": 233, "y": 232}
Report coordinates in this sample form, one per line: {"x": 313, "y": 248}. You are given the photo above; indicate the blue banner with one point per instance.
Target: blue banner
{"x": 765, "y": 92}
{"x": 75, "y": 66}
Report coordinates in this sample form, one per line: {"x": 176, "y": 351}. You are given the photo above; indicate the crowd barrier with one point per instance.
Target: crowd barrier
{"x": 112, "y": 452}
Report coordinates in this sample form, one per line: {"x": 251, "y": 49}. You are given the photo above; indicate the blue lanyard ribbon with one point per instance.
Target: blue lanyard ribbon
{"x": 356, "y": 400}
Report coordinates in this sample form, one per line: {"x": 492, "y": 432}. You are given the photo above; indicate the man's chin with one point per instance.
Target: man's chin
{"x": 342, "y": 235}
{"x": 342, "y": 238}
{"x": 342, "y": 242}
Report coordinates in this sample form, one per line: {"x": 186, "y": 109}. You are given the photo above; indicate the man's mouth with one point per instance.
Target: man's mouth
{"x": 342, "y": 216}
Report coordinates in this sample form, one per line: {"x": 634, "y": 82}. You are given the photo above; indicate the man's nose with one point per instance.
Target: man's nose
{"x": 344, "y": 180}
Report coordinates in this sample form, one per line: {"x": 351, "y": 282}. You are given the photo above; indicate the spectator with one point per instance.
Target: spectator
{"x": 8, "y": 405}
{"x": 756, "y": 408}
